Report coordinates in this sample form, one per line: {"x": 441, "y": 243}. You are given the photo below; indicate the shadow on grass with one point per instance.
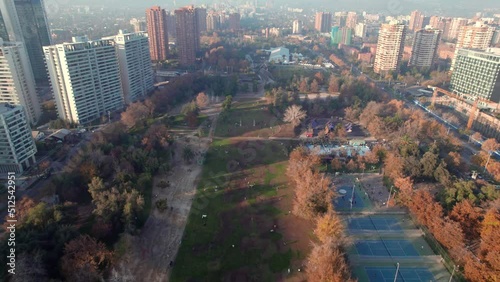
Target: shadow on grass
{"x": 231, "y": 234}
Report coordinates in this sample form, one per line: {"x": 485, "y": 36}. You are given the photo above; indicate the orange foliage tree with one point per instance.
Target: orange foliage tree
{"x": 326, "y": 263}
{"x": 330, "y": 225}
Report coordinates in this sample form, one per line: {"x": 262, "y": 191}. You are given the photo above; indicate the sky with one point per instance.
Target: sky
{"x": 388, "y": 7}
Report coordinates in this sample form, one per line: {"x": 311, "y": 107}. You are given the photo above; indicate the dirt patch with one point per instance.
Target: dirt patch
{"x": 151, "y": 252}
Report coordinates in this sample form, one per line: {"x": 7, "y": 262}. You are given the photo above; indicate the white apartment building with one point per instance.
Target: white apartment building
{"x": 85, "y": 79}
{"x": 297, "y": 27}
{"x": 17, "y": 81}
{"x": 477, "y": 36}
{"x": 389, "y": 47}
{"x": 17, "y": 148}
{"x": 424, "y": 49}
{"x": 135, "y": 64}
{"x": 360, "y": 30}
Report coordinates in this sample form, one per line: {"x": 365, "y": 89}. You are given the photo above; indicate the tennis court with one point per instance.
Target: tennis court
{"x": 374, "y": 223}
{"x": 343, "y": 201}
{"x": 406, "y": 274}
{"x": 393, "y": 248}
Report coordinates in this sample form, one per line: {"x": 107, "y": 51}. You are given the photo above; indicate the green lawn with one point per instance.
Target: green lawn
{"x": 266, "y": 124}
{"x": 236, "y": 215}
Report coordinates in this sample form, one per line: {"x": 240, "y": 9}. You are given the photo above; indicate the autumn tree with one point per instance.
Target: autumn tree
{"x": 330, "y": 226}
{"x": 313, "y": 195}
{"x": 351, "y": 165}
{"x": 156, "y": 137}
{"x": 490, "y": 146}
{"x": 135, "y": 113}
{"x": 314, "y": 86}
{"x": 202, "y": 100}
{"x": 85, "y": 259}
{"x": 490, "y": 236}
{"x": 469, "y": 218}
{"x": 303, "y": 87}
{"x": 326, "y": 263}
{"x": 333, "y": 85}
{"x": 336, "y": 164}
{"x": 294, "y": 115}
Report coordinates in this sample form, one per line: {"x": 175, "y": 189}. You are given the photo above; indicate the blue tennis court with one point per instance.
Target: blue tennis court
{"x": 374, "y": 223}
{"x": 387, "y": 274}
{"x": 343, "y": 201}
{"x": 393, "y": 248}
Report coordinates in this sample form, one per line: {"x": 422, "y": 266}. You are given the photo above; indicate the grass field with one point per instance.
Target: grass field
{"x": 239, "y": 228}
{"x": 248, "y": 112}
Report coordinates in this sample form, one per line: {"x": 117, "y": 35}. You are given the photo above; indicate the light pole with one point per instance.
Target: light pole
{"x": 352, "y": 195}
{"x": 453, "y": 272}
{"x": 489, "y": 157}
{"x": 387, "y": 205}
{"x": 396, "y": 276}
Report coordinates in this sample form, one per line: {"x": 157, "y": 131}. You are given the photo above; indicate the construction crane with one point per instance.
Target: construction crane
{"x": 472, "y": 113}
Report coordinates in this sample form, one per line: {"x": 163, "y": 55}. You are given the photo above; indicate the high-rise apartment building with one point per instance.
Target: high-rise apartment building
{"x": 335, "y": 35}
{"x": 201, "y": 17}
{"x": 477, "y": 36}
{"x": 435, "y": 22}
{"x": 16, "y": 78}
{"x": 234, "y": 21}
{"x": 424, "y": 48}
{"x": 17, "y": 148}
{"x": 416, "y": 21}
{"x": 188, "y": 36}
{"x": 135, "y": 64}
{"x": 26, "y": 21}
{"x": 213, "y": 21}
{"x": 85, "y": 79}
{"x": 455, "y": 26}
{"x": 157, "y": 32}
{"x": 297, "y": 27}
{"x": 389, "y": 47}
{"x": 323, "y": 22}
{"x": 352, "y": 20}
{"x": 138, "y": 25}
{"x": 360, "y": 30}
{"x": 346, "y": 35}
{"x": 477, "y": 74}
{"x": 171, "y": 26}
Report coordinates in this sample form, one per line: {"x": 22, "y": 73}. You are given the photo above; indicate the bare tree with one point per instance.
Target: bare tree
{"x": 294, "y": 115}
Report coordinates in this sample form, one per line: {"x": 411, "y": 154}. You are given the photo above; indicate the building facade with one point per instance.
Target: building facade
{"x": 201, "y": 17}
{"x": 477, "y": 74}
{"x": 157, "y": 31}
{"x": 213, "y": 21}
{"x": 297, "y": 27}
{"x": 16, "y": 78}
{"x": 188, "y": 36}
{"x": 424, "y": 47}
{"x": 455, "y": 26}
{"x": 351, "y": 20}
{"x": 85, "y": 79}
{"x": 135, "y": 65}
{"x": 17, "y": 148}
{"x": 389, "y": 47}
{"x": 416, "y": 21}
{"x": 138, "y": 25}
{"x": 234, "y": 21}
{"x": 25, "y": 21}
{"x": 477, "y": 36}
{"x": 360, "y": 30}
{"x": 323, "y": 22}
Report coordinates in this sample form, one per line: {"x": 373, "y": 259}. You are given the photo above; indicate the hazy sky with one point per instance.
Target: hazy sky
{"x": 444, "y": 7}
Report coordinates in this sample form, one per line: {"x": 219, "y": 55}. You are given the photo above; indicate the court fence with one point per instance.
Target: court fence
{"x": 437, "y": 248}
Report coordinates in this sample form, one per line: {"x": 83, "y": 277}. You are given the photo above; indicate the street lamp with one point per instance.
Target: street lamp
{"x": 396, "y": 276}
{"x": 352, "y": 195}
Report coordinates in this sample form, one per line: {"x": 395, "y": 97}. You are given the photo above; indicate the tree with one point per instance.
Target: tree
{"x": 351, "y": 165}
{"x": 294, "y": 115}
{"x": 313, "y": 195}
{"x": 226, "y": 105}
{"x": 490, "y": 236}
{"x": 314, "y": 86}
{"x": 330, "y": 226}
{"x": 85, "y": 259}
{"x": 490, "y": 145}
{"x": 156, "y": 137}
{"x": 336, "y": 164}
{"x": 187, "y": 154}
{"x": 468, "y": 217}
{"x": 303, "y": 87}
{"x": 429, "y": 163}
{"x": 30, "y": 268}
{"x": 333, "y": 85}
{"x": 319, "y": 77}
{"x": 326, "y": 263}
{"x": 202, "y": 100}
{"x": 135, "y": 113}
